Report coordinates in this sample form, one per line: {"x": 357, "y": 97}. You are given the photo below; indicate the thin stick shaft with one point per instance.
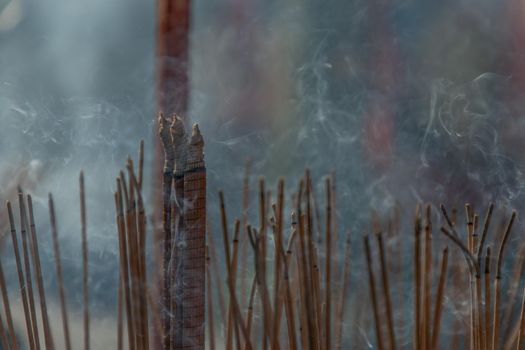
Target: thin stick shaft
{"x": 38, "y": 271}
{"x": 371, "y": 283}
{"x": 85, "y": 271}
{"x": 21, "y": 280}
{"x": 438, "y": 310}
{"x": 27, "y": 265}
{"x": 386, "y": 292}
{"x": 7, "y": 309}
{"x": 60, "y": 278}
{"x": 328, "y": 266}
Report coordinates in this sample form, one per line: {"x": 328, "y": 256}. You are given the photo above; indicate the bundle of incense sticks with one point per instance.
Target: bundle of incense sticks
{"x": 301, "y": 305}
{"x": 298, "y": 294}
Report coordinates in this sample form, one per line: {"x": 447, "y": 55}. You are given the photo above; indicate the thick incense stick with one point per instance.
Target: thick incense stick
{"x": 497, "y": 284}
{"x": 85, "y": 272}
{"x": 60, "y": 278}
{"x": 371, "y": 283}
{"x": 38, "y": 272}
{"x": 7, "y": 309}
{"x": 438, "y": 309}
{"x": 27, "y": 265}
{"x": 386, "y": 292}
{"x": 21, "y": 277}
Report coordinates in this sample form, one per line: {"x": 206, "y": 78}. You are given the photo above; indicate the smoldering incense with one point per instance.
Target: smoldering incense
{"x": 60, "y": 278}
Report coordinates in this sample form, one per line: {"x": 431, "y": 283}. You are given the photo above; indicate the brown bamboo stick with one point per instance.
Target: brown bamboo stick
{"x": 521, "y": 332}
{"x": 142, "y": 285}
{"x": 328, "y": 266}
{"x": 85, "y": 271}
{"x": 38, "y": 273}
{"x": 513, "y": 288}
{"x": 417, "y": 279}
{"x": 488, "y": 301}
{"x": 278, "y": 232}
{"x": 234, "y": 268}
{"x": 427, "y": 286}
{"x": 438, "y": 308}
{"x": 140, "y": 169}
{"x": 249, "y": 311}
{"x": 7, "y": 310}
{"x": 288, "y": 301}
{"x": 307, "y": 301}
{"x": 386, "y": 292}
{"x": 124, "y": 263}
{"x": 312, "y": 262}
{"x": 497, "y": 284}
{"x": 342, "y": 295}
{"x": 131, "y": 228}
{"x": 21, "y": 278}
{"x": 60, "y": 278}
{"x": 373, "y": 297}
{"x": 24, "y": 228}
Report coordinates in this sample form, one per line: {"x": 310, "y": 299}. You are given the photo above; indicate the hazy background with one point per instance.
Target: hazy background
{"x": 406, "y": 101}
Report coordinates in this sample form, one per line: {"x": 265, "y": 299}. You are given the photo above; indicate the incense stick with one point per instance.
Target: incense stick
{"x": 123, "y": 254}
{"x": 38, "y": 273}
{"x": 328, "y": 265}
{"x": 7, "y": 309}
{"x": 371, "y": 284}
{"x": 386, "y": 291}
{"x": 497, "y": 283}
{"x": 438, "y": 309}
{"x": 85, "y": 272}
{"x": 417, "y": 278}
{"x": 27, "y": 265}
{"x": 60, "y": 278}
{"x": 21, "y": 280}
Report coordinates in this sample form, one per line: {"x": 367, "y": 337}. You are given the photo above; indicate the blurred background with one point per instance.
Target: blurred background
{"x": 403, "y": 101}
